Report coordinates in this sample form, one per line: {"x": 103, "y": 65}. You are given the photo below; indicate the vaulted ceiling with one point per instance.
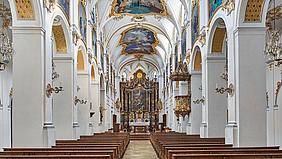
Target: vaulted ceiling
{"x": 166, "y": 26}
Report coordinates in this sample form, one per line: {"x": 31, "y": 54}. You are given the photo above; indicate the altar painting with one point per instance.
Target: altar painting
{"x": 195, "y": 22}
{"x": 65, "y": 5}
{"x": 139, "y": 100}
{"x": 139, "y": 97}
{"x": 138, "y": 7}
{"x": 213, "y": 6}
{"x": 138, "y": 40}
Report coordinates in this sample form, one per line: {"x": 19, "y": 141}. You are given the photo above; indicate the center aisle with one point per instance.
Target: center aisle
{"x": 141, "y": 149}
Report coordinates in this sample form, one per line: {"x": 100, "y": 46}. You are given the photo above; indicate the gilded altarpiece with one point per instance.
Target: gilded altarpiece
{"x": 139, "y": 101}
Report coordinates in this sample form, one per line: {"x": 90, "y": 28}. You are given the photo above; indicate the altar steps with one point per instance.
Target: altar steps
{"x": 139, "y": 136}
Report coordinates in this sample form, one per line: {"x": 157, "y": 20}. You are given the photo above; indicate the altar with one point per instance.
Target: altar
{"x": 139, "y": 126}
{"x": 139, "y": 104}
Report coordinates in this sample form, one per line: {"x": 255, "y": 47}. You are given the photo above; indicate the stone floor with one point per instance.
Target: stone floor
{"x": 141, "y": 149}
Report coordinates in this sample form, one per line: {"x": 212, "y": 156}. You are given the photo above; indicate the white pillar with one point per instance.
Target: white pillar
{"x": 117, "y": 85}
{"x": 196, "y": 109}
{"x": 270, "y": 106}
{"x": 250, "y": 86}
{"x": 5, "y": 106}
{"x": 63, "y": 102}
{"x": 278, "y": 109}
{"x": 94, "y": 99}
{"x": 29, "y": 87}
{"x": 216, "y": 104}
{"x": 83, "y": 109}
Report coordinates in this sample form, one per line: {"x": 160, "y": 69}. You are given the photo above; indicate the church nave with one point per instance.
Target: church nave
{"x": 168, "y": 79}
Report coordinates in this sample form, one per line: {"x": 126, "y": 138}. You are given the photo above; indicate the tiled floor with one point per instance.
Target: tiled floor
{"x": 140, "y": 150}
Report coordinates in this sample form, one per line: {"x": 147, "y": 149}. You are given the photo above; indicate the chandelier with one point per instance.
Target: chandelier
{"x": 273, "y": 47}
{"x": 6, "y": 49}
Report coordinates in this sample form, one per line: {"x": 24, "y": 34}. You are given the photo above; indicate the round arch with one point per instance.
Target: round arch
{"x": 60, "y": 29}
{"x": 196, "y": 63}
{"x": 218, "y": 33}
{"x": 36, "y": 19}
{"x": 261, "y": 11}
{"x": 81, "y": 58}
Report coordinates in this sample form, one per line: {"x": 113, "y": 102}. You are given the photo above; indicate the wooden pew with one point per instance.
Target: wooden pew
{"x": 101, "y": 146}
{"x": 227, "y": 156}
{"x": 68, "y": 150}
{"x": 173, "y": 146}
{"x": 54, "y": 152}
{"x": 55, "y": 156}
{"x": 222, "y": 151}
{"x": 175, "y": 150}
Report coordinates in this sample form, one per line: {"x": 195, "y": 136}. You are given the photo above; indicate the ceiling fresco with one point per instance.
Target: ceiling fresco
{"x": 138, "y": 40}
{"x": 138, "y": 7}
{"x": 213, "y": 6}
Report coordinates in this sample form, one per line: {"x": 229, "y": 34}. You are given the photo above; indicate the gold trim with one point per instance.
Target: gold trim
{"x": 80, "y": 61}
{"x": 114, "y": 4}
{"x": 254, "y": 11}
{"x": 154, "y": 45}
{"x": 183, "y": 106}
{"x": 218, "y": 40}
{"x": 59, "y": 35}
{"x": 198, "y": 61}
{"x": 24, "y": 10}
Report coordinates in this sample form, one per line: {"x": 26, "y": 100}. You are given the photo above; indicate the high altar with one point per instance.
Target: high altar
{"x": 139, "y": 103}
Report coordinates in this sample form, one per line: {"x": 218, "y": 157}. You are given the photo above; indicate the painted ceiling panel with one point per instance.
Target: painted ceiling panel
{"x": 138, "y": 7}
{"x": 138, "y": 40}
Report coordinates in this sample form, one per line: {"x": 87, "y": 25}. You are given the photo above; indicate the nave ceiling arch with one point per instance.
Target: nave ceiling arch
{"x": 113, "y": 26}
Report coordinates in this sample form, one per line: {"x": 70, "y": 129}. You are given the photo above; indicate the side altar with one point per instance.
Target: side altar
{"x": 139, "y": 103}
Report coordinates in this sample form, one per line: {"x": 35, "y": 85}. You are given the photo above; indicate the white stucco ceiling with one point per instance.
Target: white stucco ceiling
{"x": 166, "y": 28}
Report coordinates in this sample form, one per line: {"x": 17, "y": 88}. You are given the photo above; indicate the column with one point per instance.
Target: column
{"x": 94, "y": 99}
{"x": 269, "y": 106}
{"x": 63, "y": 102}
{"x": 117, "y": 85}
{"x": 83, "y": 108}
{"x": 277, "y": 108}
{"x": 29, "y": 87}
{"x": 5, "y": 106}
{"x": 216, "y": 104}
{"x": 250, "y": 86}
{"x": 196, "y": 109}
